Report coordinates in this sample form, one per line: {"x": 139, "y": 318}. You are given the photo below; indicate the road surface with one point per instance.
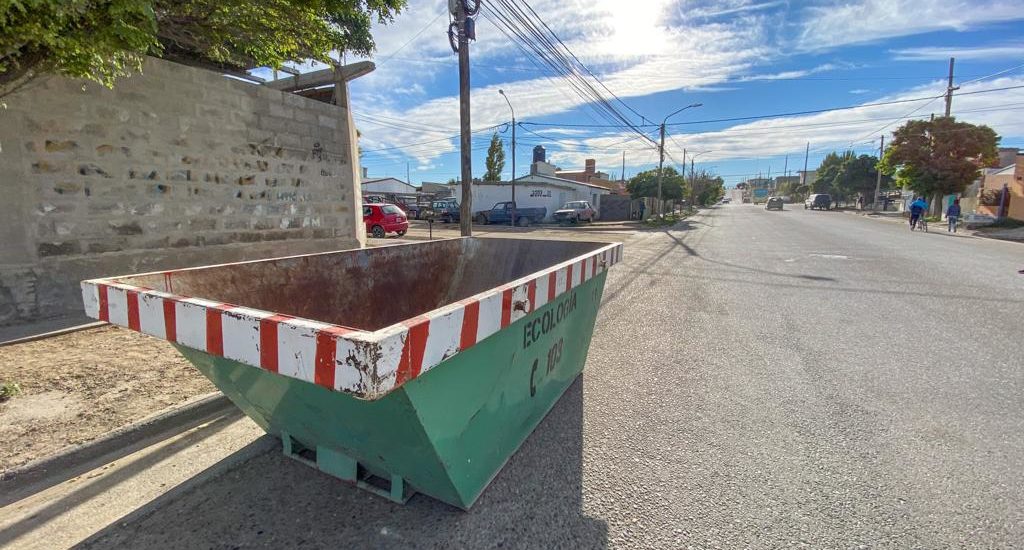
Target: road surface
{"x": 756, "y": 379}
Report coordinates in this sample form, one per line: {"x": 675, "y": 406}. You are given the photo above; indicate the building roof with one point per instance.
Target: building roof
{"x": 555, "y": 180}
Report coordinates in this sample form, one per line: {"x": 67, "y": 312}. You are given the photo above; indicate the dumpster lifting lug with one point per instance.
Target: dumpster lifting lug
{"x": 346, "y": 468}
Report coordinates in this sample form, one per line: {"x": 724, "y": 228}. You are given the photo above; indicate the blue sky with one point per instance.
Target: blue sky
{"x": 739, "y": 58}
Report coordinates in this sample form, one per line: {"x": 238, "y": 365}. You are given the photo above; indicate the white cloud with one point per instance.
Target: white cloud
{"x": 1013, "y": 50}
{"x": 788, "y": 75}
{"x": 836, "y": 24}
{"x": 859, "y": 91}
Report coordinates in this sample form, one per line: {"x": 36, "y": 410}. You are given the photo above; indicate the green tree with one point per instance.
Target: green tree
{"x": 645, "y": 184}
{"x": 705, "y": 188}
{"x": 495, "y": 161}
{"x": 939, "y": 157}
{"x": 829, "y": 173}
{"x": 102, "y": 40}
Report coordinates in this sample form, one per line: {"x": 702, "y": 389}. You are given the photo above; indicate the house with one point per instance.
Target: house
{"x": 541, "y": 188}
{"x": 994, "y": 181}
{"x": 592, "y": 176}
{"x": 387, "y": 185}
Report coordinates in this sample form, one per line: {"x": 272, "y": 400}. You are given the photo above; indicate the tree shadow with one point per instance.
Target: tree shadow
{"x": 271, "y": 501}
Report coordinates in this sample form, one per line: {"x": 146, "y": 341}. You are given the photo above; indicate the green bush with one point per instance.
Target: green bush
{"x": 9, "y": 390}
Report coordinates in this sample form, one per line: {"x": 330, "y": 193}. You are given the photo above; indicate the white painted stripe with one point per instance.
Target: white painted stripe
{"x": 442, "y": 338}
{"x": 542, "y": 290}
{"x": 390, "y": 353}
{"x": 190, "y": 318}
{"x": 490, "y": 316}
{"x": 520, "y": 294}
{"x": 296, "y": 348}
{"x": 117, "y": 306}
{"x": 241, "y": 332}
{"x": 91, "y": 300}
{"x": 347, "y": 377}
{"x": 151, "y": 315}
{"x": 560, "y": 281}
{"x": 577, "y": 274}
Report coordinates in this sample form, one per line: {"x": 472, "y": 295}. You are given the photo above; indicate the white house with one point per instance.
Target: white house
{"x": 541, "y": 188}
{"x": 387, "y": 185}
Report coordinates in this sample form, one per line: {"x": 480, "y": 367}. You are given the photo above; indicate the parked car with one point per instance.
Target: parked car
{"x": 501, "y": 213}
{"x": 773, "y": 203}
{"x": 446, "y": 211}
{"x": 726, "y": 200}
{"x": 821, "y": 201}
{"x": 575, "y": 212}
{"x": 381, "y": 219}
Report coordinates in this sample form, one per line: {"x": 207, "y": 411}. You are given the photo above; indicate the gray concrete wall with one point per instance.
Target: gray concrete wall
{"x": 173, "y": 168}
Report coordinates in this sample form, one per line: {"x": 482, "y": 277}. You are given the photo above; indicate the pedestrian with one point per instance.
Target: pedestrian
{"x": 952, "y": 215}
{"x": 917, "y": 209}
{"x": 642, "y": 207}
{"x": 860, "y": 202}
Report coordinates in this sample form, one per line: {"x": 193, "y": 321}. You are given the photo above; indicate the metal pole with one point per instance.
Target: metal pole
{"x": 661, "y": 162}
{"x": 807, "y": 153}
{"x": 950, "y": 88}
{"x": 878, "y": 181}
{"x": 465, "y": 134}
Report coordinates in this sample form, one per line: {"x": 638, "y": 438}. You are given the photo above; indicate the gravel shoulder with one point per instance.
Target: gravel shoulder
{"x": 78, "y": 386}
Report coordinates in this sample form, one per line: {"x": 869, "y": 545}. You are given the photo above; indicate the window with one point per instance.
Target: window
{"x": 367, "y": 211}
{"x": 391, "y": 209}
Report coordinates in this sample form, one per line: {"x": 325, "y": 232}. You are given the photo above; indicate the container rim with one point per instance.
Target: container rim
{"x": 367, "y": 364}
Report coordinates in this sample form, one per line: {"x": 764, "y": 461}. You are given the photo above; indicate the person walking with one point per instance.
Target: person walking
{"x": 917, "y": 209}
{"x": 952, "y": 215}
{"x": 642, "y": 208}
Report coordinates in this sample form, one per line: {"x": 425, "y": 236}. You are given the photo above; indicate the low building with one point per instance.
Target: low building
{"x": 591, "y": 175}
{"x": 387, "y": 185}
{"x": 541, "y": 188}
{"x": 993, "y": 182}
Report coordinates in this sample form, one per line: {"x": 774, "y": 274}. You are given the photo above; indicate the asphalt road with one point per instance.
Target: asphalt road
{"x": 757, "y": 379}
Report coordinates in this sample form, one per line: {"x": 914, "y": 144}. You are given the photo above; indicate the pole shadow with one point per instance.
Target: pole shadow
{"x": 271, "y": 501}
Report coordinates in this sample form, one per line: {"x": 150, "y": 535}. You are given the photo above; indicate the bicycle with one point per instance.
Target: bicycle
{"x": 922, "y": 224}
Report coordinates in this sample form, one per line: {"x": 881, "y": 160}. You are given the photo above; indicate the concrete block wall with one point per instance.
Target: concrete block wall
{"x": 173, "y": 168}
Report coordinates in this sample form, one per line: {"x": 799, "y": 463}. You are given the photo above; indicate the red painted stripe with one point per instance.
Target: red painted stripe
{"x": 583, "y": 271}
{"x": 268, "y": 341}
{"x": 552, "y": 281}
{"x": 132, "y": 298}
{"x": 470, "y": 323}
{"x": 411, "y": 363}
{"x": 104, "y": 304}
{"x": 170, "y": 321}
{"x": 531, "y": 294}
{"x": 568, "y": 277}
{"x": 506, "y": 307}
{"x": 214, "y": 329}
{"x": 326, "y": 349}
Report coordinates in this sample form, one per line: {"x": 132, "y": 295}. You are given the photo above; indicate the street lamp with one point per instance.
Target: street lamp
{"x": 661, "y": 148}
{"x": 693, "y": 174}
{"x": 502, "y": 92}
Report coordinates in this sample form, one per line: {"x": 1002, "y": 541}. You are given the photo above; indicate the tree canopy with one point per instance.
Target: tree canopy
{"x": 495, "y": 160}
{"x": 846, "y": 175}
{"x": 705, "y": 188}
{"x": 940, "y": 156}
{"x": 645, "y": 184}
{"x": 102, "y": 40}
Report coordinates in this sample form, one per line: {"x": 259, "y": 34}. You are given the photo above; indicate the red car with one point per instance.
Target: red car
{"x": 381, "y": 219}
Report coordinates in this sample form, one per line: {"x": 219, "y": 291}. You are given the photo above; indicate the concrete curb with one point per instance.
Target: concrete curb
{"x": 53, "y": 333}
{"x": 70, "y": 462}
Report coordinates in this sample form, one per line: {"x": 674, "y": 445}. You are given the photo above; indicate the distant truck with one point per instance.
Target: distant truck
{"x": 501, "y": 213}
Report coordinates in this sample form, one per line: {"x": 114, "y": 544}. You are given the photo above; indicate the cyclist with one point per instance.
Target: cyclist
{"x": 953, "y": 214}
{"x": 917, "y": 209}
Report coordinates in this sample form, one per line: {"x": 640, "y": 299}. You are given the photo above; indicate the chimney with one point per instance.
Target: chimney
{"x": 590, "y": 166}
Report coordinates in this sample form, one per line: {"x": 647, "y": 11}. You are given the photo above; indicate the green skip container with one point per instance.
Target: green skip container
{"x": 401, "y": 369}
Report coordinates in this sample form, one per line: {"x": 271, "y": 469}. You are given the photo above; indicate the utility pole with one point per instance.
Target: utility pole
{"x": 950, "y": 88}
{"x": 785, "y": 170}
{"x": 623, "y": 168}
{"x": 878, "y": 181}
{"x": 807, "y": 153}
{"x": 459, "y": 28}
{"x": 407, "y": 180}
{"x": 661, "y": 163}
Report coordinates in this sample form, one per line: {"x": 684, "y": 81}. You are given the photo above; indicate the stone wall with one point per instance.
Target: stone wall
{"x": 173, "y": 168}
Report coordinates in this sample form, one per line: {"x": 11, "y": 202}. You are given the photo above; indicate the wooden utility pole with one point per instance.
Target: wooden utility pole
{"x": 950, "y": 88}
{"x": 878, "y": 181}
{"x": 807, "y": 153}
{"x": 465, "y": 134}
{"x": 661, "y": 163}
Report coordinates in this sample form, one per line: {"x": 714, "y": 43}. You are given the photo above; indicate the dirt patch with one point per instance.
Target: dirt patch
{"x": 79, "y": 386}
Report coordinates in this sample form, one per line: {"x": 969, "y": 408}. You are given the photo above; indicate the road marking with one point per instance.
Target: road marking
{"x": 831, "y": 256}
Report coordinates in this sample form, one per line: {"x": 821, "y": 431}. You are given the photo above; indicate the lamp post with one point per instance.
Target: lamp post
{"x": 661, "y": 149}
{"x": 502, "y": 92}
{"x": 693, "y": 173}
